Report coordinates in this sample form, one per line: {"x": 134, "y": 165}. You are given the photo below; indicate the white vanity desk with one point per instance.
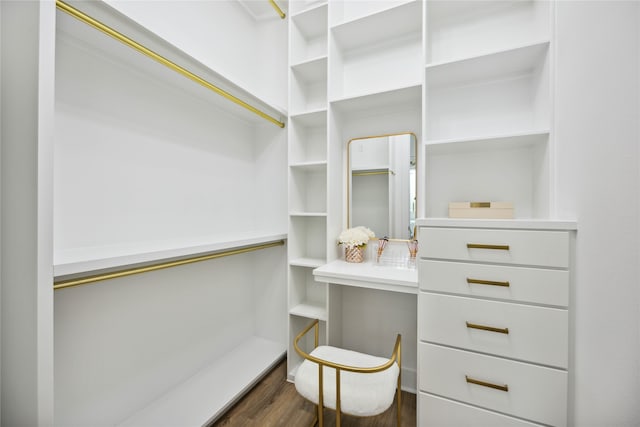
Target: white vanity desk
{"x": 369, "y": 275}
{"x": 368, "y": 305}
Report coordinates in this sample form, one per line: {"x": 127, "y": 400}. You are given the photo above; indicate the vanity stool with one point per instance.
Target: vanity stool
{"x": 365, "y": 388}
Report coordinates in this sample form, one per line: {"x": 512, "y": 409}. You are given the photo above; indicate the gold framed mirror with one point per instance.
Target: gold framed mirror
{"x": 382, "y": 184}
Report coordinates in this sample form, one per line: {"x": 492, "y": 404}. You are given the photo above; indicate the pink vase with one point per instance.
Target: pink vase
{"x": 354, "y": 254}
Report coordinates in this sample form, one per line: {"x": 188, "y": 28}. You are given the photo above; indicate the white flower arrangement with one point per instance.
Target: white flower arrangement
{"x": 355, "y": 237}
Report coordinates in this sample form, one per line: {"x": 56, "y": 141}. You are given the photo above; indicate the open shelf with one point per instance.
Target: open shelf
{"x": 309, "y": 34}
{"x": 506, "y": 92}
{"x": 311, "y": 311}
{"x": 308, "y": 137}
{"x": 307, "y": 236}
{"x": 308, "y": 189}
{"x": 314, "y": 166}
{"x": 86, "y": 260}
{"x": 307, "y": 262}
{"x": 298, "y": 7}
{"x": 201, "y": 399}
{"x": 385, "y": 102}
{"x": 377, "y": 53}
{"x": 487, "y": 142}
{"x": 511, "y": 168}
{"x": 309, "y": 81}
{"x": 459, "y": 29}
{"x": 515, "y": 61}
{"x": 395, "y": 22}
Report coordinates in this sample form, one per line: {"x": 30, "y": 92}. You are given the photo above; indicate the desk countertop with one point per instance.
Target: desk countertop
{"x": 369, "y": 275}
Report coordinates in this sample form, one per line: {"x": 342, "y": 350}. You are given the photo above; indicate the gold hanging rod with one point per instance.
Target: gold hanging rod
{"x": 277, "y": 8}
{"x": 162, "y": 60}
{"x": 162, "y": 265}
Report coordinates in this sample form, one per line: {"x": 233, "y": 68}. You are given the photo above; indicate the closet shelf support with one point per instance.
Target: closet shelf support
{"x": 160, "y": 59}
{"x": 159, "y": 266}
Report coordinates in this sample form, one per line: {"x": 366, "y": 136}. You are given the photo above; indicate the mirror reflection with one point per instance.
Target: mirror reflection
{"x": 381, "y": 191}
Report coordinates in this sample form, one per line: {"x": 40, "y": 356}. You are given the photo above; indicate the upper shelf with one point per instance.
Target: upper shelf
{"x": 459, "y": 29}
{"x": 389, "y": 24}
{"x": 82, "y": 261}
{"x": 484, "y": 67}
{"x": 403, "y": 98}
{"x": 164, "y": 68}
{"x": 312, "y": 22}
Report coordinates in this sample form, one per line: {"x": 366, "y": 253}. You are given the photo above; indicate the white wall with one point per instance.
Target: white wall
{"x": 597, "y": 135}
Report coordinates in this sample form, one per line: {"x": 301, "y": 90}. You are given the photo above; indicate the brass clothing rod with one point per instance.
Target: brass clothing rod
{"x": 162, "y": 60}
{"x": 277, "y": 8}
{"x": 162, "y": 265}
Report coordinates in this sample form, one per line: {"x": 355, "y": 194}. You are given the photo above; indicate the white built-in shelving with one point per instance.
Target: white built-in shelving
{"x": 308, "y": 166}
{"x": 488, "y": 105}
{"x": 356, "y": 69}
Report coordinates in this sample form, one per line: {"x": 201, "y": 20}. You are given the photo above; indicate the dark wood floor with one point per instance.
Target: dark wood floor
{"x": 274, "y": 402}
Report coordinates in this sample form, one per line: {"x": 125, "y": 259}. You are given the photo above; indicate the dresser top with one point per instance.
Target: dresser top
{"x": 516, "y": 224}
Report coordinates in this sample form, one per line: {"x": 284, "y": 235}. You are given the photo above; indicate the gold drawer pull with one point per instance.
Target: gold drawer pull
{"x": 483, "y": 246}
{"x": 487, "y": 328}
{"x": 486, "y": 384}
{"x": 487, "y": 282}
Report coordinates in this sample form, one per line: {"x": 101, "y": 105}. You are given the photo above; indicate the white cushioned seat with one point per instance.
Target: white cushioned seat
{"x": 362, "y": 394}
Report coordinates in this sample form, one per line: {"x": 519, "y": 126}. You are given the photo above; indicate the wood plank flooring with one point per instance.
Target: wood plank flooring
{"x": 274, "y": 402}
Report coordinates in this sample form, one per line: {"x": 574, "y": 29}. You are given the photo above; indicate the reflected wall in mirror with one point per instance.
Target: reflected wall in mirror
{"x": 381, "y": 184}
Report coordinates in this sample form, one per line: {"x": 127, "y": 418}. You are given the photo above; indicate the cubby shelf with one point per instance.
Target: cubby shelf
{"x": 307, "y": 262}
{"x": 312, "y": 166}
{"x": 314, "y": 69}
{"x": 311, "y": 118}
{"x": 310, "y": 310}
{"x": 299, "y": 7}
{"x": 397, "y": 22}
{"x": 308, "y": 35}
{"x": 308, "y": 214}
{"x": 402, "y": 98}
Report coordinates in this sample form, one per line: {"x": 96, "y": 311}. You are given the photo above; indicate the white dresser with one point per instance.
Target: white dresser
{"x": 494, "y": 322}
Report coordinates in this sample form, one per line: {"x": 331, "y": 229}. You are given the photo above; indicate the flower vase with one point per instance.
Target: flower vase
{"x": 354, "y": 254}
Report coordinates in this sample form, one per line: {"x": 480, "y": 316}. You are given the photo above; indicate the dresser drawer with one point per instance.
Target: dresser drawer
{"x": 537, "y": 248}
{"x": 523, "y": 284}
{"x": 534, "y": 334}
{"x": 438, "y": 412}
{"x": 528, "y": 391}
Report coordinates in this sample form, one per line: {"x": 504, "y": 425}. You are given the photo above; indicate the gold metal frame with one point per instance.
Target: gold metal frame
{"x": 376, "y": 173}
{"x": 396, "y": 357}
{"x": 277, "y": 9}
{"x": 159, "y": 266}
{"x": 160, "y": 59}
